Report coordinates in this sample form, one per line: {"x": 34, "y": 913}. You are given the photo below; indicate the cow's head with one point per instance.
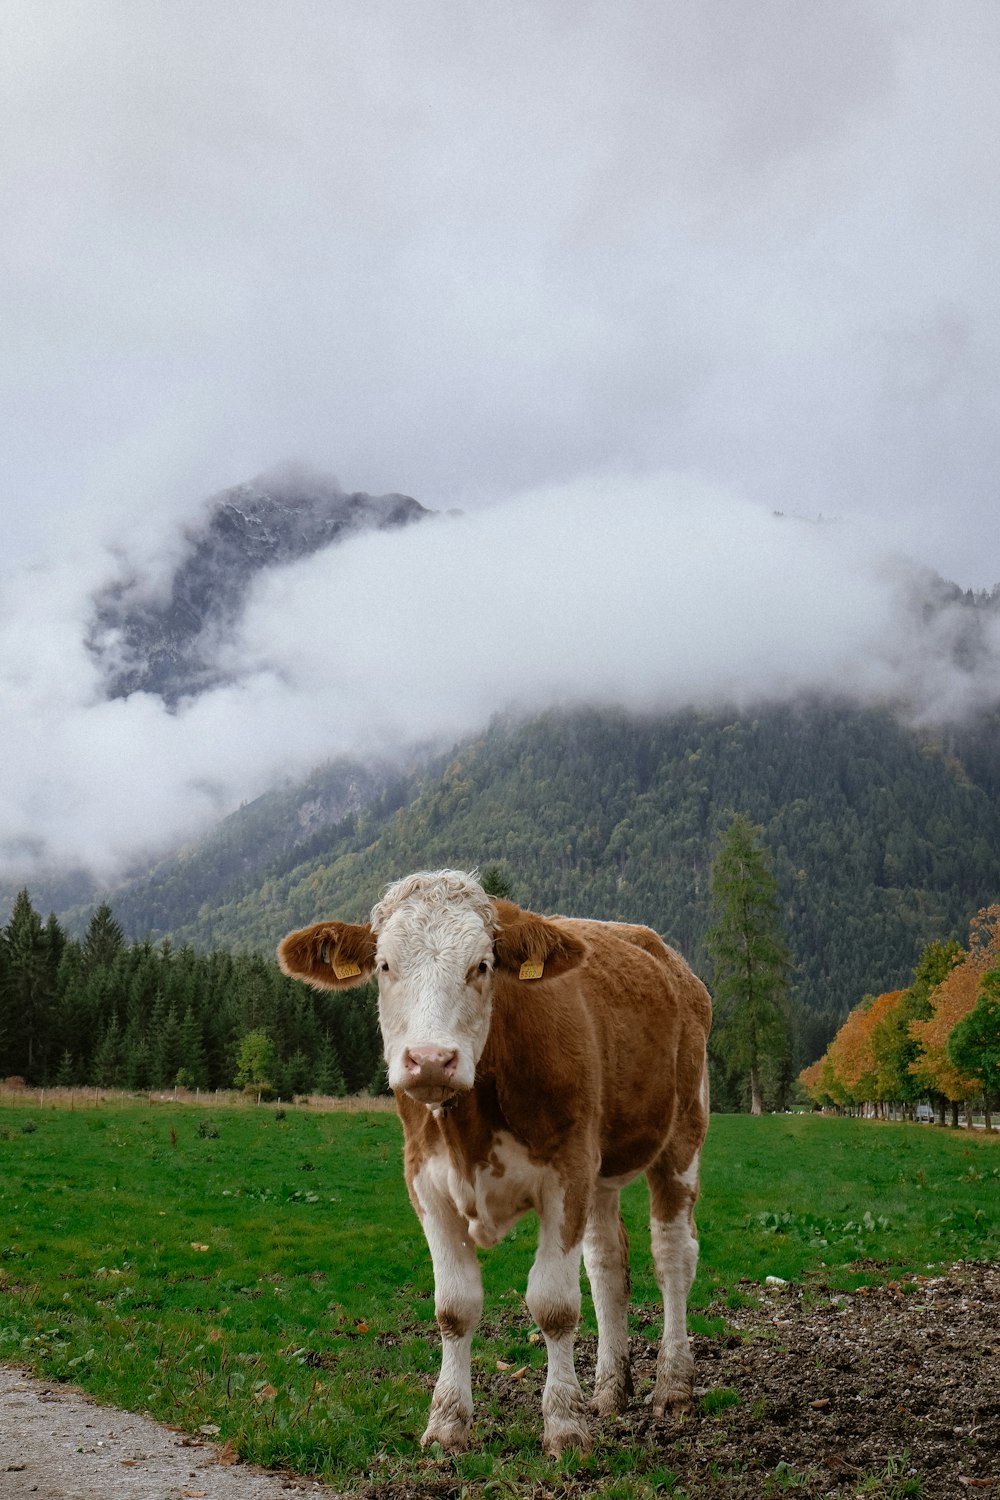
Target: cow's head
{"x": 437, "y": 942}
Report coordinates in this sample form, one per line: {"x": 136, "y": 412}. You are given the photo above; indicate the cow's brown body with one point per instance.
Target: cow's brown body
{"x": 588, "y": 1076}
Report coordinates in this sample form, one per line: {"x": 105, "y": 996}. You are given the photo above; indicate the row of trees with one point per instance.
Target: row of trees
{"x": 938, "y": 1039}
{"x": 115, "y": 1014}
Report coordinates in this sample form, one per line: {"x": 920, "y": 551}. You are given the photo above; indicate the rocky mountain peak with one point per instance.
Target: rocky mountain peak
{"x": 168, "y": 644}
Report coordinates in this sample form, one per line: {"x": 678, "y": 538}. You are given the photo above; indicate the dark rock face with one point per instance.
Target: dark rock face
{"x": 169, "y": 645}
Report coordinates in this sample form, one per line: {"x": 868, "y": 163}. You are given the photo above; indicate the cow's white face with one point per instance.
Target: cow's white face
{"x": 435, "y": 978}
{"x": 435, "y": 941}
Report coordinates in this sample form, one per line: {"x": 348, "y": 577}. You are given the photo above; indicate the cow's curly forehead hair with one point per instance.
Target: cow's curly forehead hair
{"x": 436, "y": 891}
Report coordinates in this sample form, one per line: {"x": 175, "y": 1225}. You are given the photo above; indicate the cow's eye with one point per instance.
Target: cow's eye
{"x": 383, "y": 967}
{"x": 484, "y": 967}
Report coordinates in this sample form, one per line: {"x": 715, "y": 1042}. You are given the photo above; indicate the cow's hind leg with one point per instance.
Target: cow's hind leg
{"x": 673, "y": 1189}
{"x": 605, "y": 1255}
{"x": 553, "y": 1299}
{"x": 458, "y": 1303}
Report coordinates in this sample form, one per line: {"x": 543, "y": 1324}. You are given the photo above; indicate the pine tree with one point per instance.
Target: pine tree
{"x": 56, "y": 940}
{"x": 66, "y": 1072}
{"x": 167, "y": 1057}
{"x": 495, "y": 883}
{"x": 109, "y": 1057}
{"x": 750, "y": 958}
{"x": 104, "y": 939}
{"x": 329, "y": 1078}
{"x": 193, "y": 1072}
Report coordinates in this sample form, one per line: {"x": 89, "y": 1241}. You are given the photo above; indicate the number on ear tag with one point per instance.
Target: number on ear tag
{"x": 346, "y": 970}
{"x": 531, "y": 969}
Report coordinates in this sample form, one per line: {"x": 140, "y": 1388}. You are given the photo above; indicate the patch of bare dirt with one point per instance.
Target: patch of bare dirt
{"x": 899, "y": 1381}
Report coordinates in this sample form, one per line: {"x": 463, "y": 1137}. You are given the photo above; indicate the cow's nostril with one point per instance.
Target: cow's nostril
{"x": 430, "y": 1060}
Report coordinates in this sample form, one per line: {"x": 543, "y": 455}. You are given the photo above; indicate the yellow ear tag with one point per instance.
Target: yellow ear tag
{"x": 346, "y": 971}
{"x": 532, "y": 969}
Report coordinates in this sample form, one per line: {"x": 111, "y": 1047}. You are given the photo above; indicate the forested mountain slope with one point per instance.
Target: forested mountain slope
{"x": 881, "y": 838}
{"x": 277, "y": 831}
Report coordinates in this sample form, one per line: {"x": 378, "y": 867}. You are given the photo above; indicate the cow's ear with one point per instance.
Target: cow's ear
{"x": 531, "y": 947}
{"x": 329, "y": 955}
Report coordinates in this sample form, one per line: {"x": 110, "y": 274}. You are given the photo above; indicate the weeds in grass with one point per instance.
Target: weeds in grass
{"x": 787, "y": 1477}
{"x": 895, "y": 1481}
{"x": 821, "y": 1233}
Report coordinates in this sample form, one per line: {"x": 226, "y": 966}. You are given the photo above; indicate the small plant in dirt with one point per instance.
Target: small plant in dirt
{"x": 895, "y": 1481}
{"x": 718, "y": 1400}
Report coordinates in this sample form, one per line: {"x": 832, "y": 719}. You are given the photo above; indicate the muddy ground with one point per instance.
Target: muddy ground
{"x": 889, "y": 1392}
{"x": 895, "y": 1382}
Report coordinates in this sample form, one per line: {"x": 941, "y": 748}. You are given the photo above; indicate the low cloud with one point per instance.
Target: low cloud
{"x": 651, "y": 593}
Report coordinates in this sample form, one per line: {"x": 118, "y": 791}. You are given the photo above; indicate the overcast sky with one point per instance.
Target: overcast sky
{"x": 619, "y": 280}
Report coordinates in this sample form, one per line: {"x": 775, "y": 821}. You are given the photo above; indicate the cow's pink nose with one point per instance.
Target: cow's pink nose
{"x": 430, "y": 1064}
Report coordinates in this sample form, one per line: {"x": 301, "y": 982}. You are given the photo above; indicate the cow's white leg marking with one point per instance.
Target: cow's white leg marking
{"x": 605, "y": 1255}
{"x": 553, "y": 1299}
{"x": 458, "y": 1303}
{"x": 675, "y": 1255}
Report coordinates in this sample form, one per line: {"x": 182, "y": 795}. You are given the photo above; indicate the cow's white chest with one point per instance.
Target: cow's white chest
{"x": 495, "y": 1195}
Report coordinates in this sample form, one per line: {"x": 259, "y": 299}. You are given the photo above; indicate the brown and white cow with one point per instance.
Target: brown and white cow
{"x": 537, "y": 1063}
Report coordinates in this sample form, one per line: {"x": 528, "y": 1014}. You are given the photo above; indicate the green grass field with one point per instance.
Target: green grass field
{"x": 262, "y": 1276}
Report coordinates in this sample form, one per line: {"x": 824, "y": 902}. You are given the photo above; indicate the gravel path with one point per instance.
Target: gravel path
{"x": 57, "y": 1444}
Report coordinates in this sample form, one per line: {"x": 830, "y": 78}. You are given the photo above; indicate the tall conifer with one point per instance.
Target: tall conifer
{"x": 749, "y": 955}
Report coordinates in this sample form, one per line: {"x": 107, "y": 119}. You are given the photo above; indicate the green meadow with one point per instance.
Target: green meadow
{"x": 258, "y": 1274}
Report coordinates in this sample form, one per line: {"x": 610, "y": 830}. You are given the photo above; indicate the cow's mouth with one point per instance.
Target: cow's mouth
{"x": 432, "y": 1093}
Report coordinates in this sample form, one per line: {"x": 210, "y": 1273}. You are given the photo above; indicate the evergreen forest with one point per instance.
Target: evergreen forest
{"x": 106, "y": 1012}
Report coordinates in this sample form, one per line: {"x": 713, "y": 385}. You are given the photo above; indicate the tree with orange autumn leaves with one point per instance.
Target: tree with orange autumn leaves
{"x": 951, "y": 1002}
{"x": 894, "y": 1047}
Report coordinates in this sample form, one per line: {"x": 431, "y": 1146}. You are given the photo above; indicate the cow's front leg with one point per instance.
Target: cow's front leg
{"x": 553, "y": 1300}
{"x": 458, "y": 1303}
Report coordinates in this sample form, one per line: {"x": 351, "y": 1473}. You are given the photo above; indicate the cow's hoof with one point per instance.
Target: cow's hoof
{"x": 559, "y": 1436}
{"x": 674, "y": 1401}
{"x": 565, "y": 1422}
{"x": 612, "y": 1393}
{"x": 450, "y": 1437}
{"x": 449, "y": 1421}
